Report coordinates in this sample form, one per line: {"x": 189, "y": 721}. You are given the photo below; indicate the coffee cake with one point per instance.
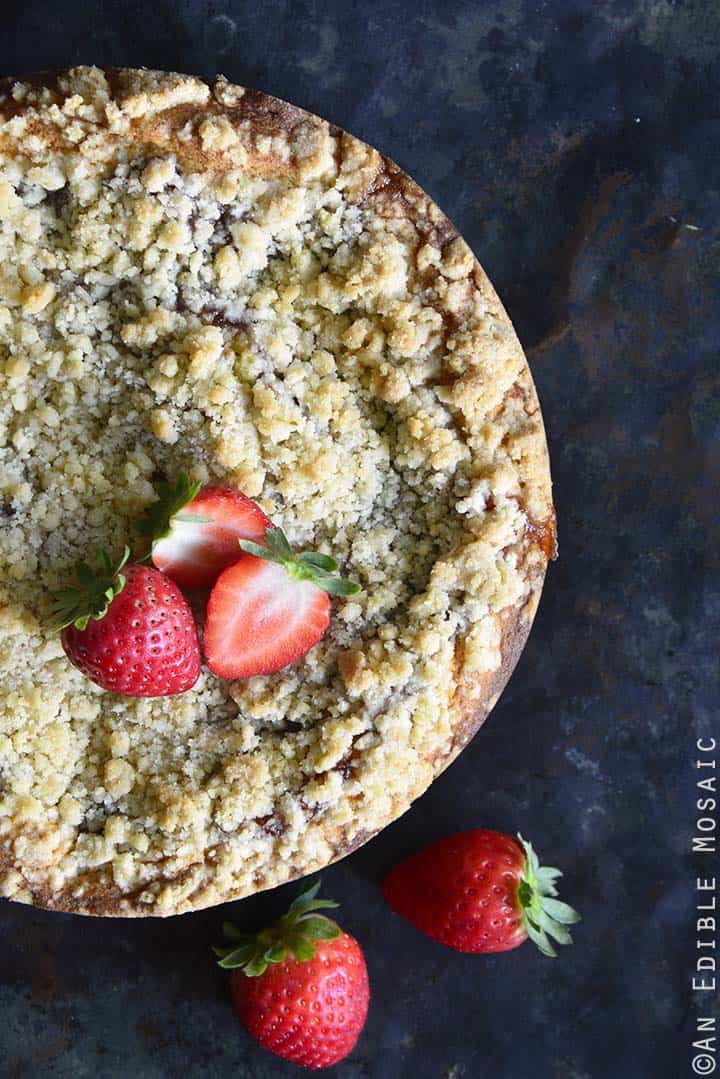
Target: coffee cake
{"x": 201, "y": 277}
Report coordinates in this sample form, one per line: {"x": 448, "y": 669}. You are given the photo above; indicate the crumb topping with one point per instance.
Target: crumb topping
{"x": 204, "y": 278}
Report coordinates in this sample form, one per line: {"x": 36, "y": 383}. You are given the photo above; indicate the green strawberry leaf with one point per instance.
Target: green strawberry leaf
{"x": 306, "y": 895}
{"x": 538, "y": 937}
{"x": 254, "y": 967}
{"x": 320, "y": 561}
{"x": 237, "y": 957}
{"x": 561, "y": 912}
{"x": 554, "y": 929}
{"x": 546, "y": 880}
{"x": 306, "y": 901}
{"x": 543, "y": 916}
{"x": 338, "y": 586}
{"x": 91, "y": 596}
{"x": 318, "y": 928}
{"x": 308, "y": 566}
{"x": 278, "y": 543}
{"x": 259, "y": 551}
{"x": 295, "y": 932}
{"x": 302, "y": 948}
{"x": 276, "y": 952}
{"x": 156, "y": 522}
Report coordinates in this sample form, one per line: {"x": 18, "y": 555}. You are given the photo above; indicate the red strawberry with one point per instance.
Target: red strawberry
{"x": 195, "y": 530}
{"x": 269, "y": 608}
{"x": 480, "y": 891}
{"x": 300, "y": 987}
{"x": 130, "y": 630}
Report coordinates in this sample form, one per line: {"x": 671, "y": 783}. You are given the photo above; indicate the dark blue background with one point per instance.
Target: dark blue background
{"x": 575, "y": 144}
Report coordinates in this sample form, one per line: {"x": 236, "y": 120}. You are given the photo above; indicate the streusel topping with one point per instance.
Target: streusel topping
{"x": 203, "y": 278}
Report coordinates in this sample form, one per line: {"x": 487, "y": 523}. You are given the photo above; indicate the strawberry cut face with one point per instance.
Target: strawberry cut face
{"x": 203, "y": 537}
{"x": 260, "y": 619}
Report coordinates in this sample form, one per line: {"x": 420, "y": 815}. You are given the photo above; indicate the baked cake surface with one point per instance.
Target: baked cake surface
{"x": 201, "y": 277}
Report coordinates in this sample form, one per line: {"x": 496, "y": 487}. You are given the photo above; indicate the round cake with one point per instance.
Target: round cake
{"x": 200, "y": 278}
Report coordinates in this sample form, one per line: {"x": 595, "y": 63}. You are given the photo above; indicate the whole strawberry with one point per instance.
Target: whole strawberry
{"x": 300, "y": 987}
{"x": 481, "y": 891}
{"x": 129, "y": 629}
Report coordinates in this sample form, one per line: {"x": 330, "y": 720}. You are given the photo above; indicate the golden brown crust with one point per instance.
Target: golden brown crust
{"x": 483, "y": 384}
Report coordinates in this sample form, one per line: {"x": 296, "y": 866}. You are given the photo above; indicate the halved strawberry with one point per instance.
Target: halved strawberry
{"x": 269, "y": 608}
{"x": 195, "y": 530}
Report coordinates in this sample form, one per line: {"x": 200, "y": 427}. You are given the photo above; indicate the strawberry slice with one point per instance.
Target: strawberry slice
{"x": 269, "y": 608}
{"x": 259, "y": 619}
{"x": 194, "y": 530}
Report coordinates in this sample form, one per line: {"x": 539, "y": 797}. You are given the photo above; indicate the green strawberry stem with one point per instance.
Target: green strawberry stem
{"x": 156, "y": 523}
{"x": 308, "y": 566}
{"x": 295, "y": 932}
{"x": 543, "y": 915}
{"x": 93, "y": 593}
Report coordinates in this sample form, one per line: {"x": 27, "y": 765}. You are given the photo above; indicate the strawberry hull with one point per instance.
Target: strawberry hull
{"x": 260, "y": 620}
